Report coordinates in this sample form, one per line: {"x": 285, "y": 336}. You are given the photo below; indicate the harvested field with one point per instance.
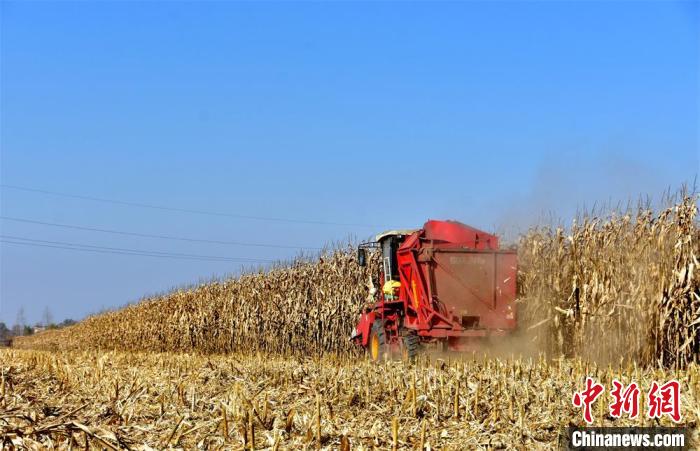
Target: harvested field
{"x": 118, "y": 400}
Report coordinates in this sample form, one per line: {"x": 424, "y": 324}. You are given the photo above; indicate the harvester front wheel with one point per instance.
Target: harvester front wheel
{"x": 377, "y": 341}
{"x": 411, "y": 345}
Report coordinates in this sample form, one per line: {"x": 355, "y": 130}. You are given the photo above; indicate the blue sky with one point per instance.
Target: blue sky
{"x": 378, "y": 115}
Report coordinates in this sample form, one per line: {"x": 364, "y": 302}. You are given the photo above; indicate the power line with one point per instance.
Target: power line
{"x": 140, "y": 251}
{"x": 181, "y": 210}
{"x": 10, "y": 239}
{"x": 100, "y": 251}
{"x": 145, "y": 235}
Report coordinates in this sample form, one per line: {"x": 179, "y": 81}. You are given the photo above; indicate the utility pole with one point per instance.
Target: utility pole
{"x": 20, "y": 322}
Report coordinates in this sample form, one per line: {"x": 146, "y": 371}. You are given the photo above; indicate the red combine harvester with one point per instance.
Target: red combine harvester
{"x": 446, "y": 284}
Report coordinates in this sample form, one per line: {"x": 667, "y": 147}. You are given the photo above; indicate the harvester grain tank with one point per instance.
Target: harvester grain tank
{"x": 447, "y": 284}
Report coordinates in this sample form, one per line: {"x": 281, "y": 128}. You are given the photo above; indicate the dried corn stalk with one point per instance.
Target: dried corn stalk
{"x": 623, "y": 287}
{"x": 308, "y": 307}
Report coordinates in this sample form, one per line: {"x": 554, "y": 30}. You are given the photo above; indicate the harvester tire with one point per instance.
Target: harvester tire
{"x": 411, "y": 345}
{"x": 377, "y": 341}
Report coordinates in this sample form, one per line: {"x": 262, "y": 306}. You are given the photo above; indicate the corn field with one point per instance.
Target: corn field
{"x": 308, "y": 307}
{"x": 621, "y": 287}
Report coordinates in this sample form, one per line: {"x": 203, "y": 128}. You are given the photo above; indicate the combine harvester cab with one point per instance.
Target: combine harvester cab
{"x": 446, "y": 284}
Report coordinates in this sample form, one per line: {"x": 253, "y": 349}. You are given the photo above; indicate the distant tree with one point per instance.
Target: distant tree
{"x": 67, "y": 322}
{"x": 28, "y": 330}
{"x": 46, "y": 317}
{"x": 5, "y": 335}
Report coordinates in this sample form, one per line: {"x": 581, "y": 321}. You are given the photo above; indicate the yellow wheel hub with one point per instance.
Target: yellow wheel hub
{"x": 374, "y": 347}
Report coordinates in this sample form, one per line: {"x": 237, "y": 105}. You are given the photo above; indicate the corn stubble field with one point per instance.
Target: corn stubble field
{"x": 264, "y": 361}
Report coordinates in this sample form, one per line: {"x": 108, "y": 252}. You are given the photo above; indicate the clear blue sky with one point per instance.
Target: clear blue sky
{"x": 381, "y": 115}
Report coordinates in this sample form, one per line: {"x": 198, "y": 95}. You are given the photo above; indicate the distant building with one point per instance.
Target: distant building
{"x": 38, "y": 329}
